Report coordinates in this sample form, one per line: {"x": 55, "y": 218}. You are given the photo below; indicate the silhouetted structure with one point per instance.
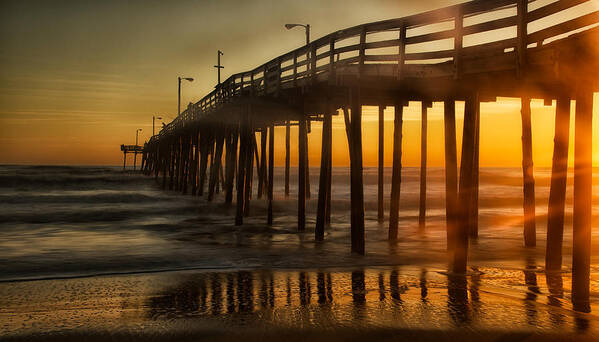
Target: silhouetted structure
{"x": 346, "y": 70}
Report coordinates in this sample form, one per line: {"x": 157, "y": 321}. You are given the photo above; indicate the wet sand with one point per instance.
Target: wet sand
{"x": 375, "y": 303}
{"x": 113, "y": 257}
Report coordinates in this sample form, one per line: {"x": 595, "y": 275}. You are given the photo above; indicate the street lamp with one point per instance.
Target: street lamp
{"x": 136, "y": 135}
{"x": 153, "y": 123}
{"x": 135, "y": 149}
{"x": 179, "y": 102}
{"x": 307, "y": 27}
{"x": 218, "y": 66}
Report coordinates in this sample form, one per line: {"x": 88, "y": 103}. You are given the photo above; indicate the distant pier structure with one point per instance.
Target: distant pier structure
{"x": 135, "y": 149}
{"x": 473, "y": 52}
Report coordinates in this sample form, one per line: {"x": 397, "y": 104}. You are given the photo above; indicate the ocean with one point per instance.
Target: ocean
{"x": 99, "y": 249}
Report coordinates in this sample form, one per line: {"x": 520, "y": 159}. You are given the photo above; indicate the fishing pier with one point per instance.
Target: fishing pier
{"x": 458, "y": 53}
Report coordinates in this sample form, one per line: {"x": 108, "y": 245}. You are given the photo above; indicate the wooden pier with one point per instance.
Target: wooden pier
{"x": 135, "y": 149}
{"x": 350, "y": 68}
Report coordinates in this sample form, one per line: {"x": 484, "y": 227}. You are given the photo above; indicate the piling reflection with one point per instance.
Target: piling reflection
{"x": 532, "y": 293}
{"x": 457, "y": 301}
{"x": 423, "y": 288}
{"x": 382, "y": 297}
{"x": 555, "y": 286}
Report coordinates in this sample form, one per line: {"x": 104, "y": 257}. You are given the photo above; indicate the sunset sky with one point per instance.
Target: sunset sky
{"x": 77, "y": 78}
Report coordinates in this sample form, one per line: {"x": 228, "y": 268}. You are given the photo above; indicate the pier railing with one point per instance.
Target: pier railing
{"x": 458, "y": 36}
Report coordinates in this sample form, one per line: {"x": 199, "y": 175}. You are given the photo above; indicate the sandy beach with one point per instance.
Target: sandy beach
{"x": 96, "y": 254}
{"x": 380, "y": 303}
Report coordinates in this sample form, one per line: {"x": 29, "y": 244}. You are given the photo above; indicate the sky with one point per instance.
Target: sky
{"x": 77, "y": 78}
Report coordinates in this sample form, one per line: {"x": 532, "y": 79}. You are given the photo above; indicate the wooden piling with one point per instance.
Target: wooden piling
{"x": 217, "y": 160}
{"x": 460, "y": 250}
{"x": 308, "y": 129}
{"x": 204, "y": 151}
{"x": 180, "y": 160}
{"x": 583, "y": 176}
{"x": 529, "y": 181}
{"x": 323, "y": 187}
{"x": 423, "y": 160}
{"x": 262, "y": 167}
{"x": 381, "y": 175}
{"x": 249, "y": 169}
{"x": 301, "y": 204}
{"x": 329, "y": 182}
{"x": 196, "y": 161}
{"x": 244, "y": 141}
{"x": 172, "y": 158}
{"x": 165, "y": 163}
{"x": 357, "y": 183}
{"x": 451, "y": 172}
{"x": 557, "y": 192}
{"x": 187, "y": 163}
{"x": 396, "y": 176}
{"x": 287, "y": 156}
{"x": 473, "y": 221}
{"x": 231, "y": 164}
{"x": 271, "y": 167}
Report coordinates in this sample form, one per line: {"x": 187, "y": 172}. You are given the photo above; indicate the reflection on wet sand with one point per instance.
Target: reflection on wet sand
{"x": 486, "y": 299}
{"x": 555, "y": 286}
{"x": 530, "y": 278}
{"x": 287, "y": 298}
{"x": 457, "y": 292}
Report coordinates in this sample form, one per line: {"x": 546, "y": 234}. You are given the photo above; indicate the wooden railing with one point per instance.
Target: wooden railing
{"x": 401, "y": 47}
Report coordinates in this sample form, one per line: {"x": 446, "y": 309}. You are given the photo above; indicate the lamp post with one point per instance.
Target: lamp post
{"x": 218, "y": 66}
{"x": 308, "y": 67}
{"x": 179, "y": 102}
{"x": 154, "y": 123}
{"x": 307, "y": 27}
{"x": 135, "y": 150}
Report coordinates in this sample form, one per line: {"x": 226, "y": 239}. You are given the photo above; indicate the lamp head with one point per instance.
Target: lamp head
{"x": 159, "y": 118}
{"x": 188, "y": 79}
{"x": 290, "y": 26}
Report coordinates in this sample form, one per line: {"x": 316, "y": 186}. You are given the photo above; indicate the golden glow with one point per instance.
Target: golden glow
{"x": 76, "y": 82}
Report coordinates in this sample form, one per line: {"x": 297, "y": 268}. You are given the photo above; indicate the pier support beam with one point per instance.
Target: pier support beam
{"x": 451, "y": 172}
{"x": 583, "y": 176}
{"x": 204, "y": 151}
{"x": 323, "y": 187}
{"x": 196, "y": 161}
{"x": 301, "y": 198}
{"x": 262, "y": 167}
{"x": 308, "y": 129}
{"x": 460, "y": 250}
{"x": 244, "y": 145}
{"x": 166, "y": 157}
{"x": 249, "y": 169}
{"x": 216, "y": 165}
{"x": 186, "y": 162}
{"x": 396, "y": 177}
{"x": 232, "y": 139}
{"x": 287, "y": 157}
{"x": 423, "y": 160}
{"x": 357, "y": 182}
{"x": 172, "y": 159}
{"x": 557, "y": 192}
{"x": 530, "y": 239}
{"x": 381, "y": 175}
{"x": 271, "y": 170}
{"x": 473, "y": 223}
